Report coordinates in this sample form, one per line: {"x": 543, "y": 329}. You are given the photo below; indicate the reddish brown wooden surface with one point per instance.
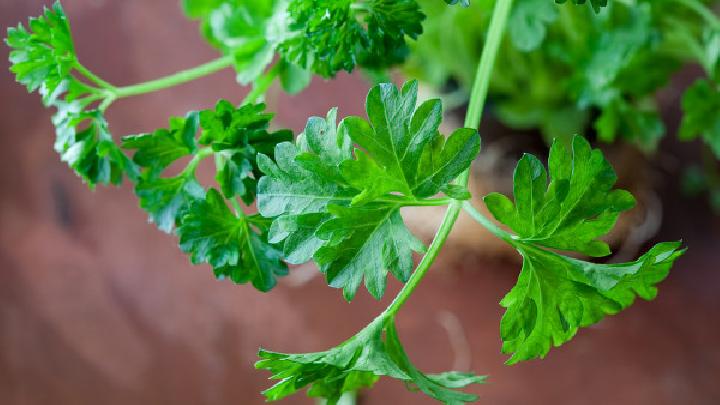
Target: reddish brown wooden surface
{"x": 98, "y": 307}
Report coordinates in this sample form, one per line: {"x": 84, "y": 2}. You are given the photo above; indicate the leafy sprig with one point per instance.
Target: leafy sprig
{"x": 357, "y": 364}
{"x": 233, "y": 243}
{"x": 555, "y": 294}
{"x": 43, "y": 58}
{"x": 343, "y": 210}
{"x": 335, "y": 192}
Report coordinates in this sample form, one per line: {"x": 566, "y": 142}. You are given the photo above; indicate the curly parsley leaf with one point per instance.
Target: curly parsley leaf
{"x": 556, "y": 295}
{"x": 574, "y": 210}
{"x": 161, "y": 148}
{"x": 403, "y": 144}
{"x": 528, "y": 23}
{"x": 356, "y": 364}
{"x": 166, "y": 199}
{"x": 44, "y": 55}
{"x": 237, "y": 135}
{"x": 84, "y": 142}
{"x": 235, "y": 246}
{"x": 238, "y": 29}
{"x": 330, "y": 35}
{"x": 43, "y": 59}
{"x": 342, "y": 208}
{"x": 700, "y": 105}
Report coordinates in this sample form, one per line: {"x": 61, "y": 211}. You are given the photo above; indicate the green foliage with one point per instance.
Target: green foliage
{"x": 528, "y": 23}
{"x": 319, "y": 36}
{"x": 563, "y": 64}
{"x": 334, "y": 194}
{"x": 331, "y": 35}
{"x": 700, "y": 106}
{"x": 246, "y": 30}
{"x": 158, "y": 150}
{"x": 235, "y": 246}
{"x": 596, "y": 4}
{"x": 343, "y": 211}
{"x": 556, "y": 295}
{"x": 43, "y": 58}
{"x": 237, "y": 136}
{"x": 464, "y": 3}
{"x": 84, "y": 142}
{"x": 166, "y": 199}
{"x": 358, "y": 363}
{"x": 577, "y": 207}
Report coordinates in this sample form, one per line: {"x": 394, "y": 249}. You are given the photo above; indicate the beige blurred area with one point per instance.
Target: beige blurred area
{"x": 98, "y": 307}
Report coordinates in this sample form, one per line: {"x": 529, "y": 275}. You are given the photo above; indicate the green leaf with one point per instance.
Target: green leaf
{"x": 574, "y": 210}
{"x": 464, "y": 3}
{"x": 161, "y": 148}
{"x": 234, "y": 246}
{"x": 556, "y": 295}
{"x": 528, "y": 23}
{"x": 443, "y": 160}
{"x": 700, "y": 105}
{"x": 347, "y": 243}
{"x": 84, "y": 142}
{"x": 167, "y": 199}
{"x": 356, "y": 364}
{"x": 199, "y": 8}
{"x": 240, "y": 29}
{"x": 363, "y": 243}
{"x": 597, "y": 5}
{"x": 293, "y": 78}
{"x": 620, "y": 119}
{"x": 239, "y": 134}
{"x": 43, "y": 59}
{"x": 710, "y": 57}
{"x": 611, "y": 52}
{"x": 43, "y": 56}
{"x": 330, "y": 35}
{"x": 404, "y": 142}
{"x": 342, "y": 208}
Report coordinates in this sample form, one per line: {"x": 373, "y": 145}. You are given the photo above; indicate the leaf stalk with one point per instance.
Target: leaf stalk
{"x": 501, "y": 14}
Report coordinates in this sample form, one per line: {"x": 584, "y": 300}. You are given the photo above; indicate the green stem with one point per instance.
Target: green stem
{"x": 199, "y": 157}
{"x": 262, "y": 85}
{"x": 703, "y": 11}
{"x": 237, "y": 207}
{"x": 487, "y": 61}
{"x": 174, "y": 79}
{"x": 411, "y": 202}
{"x": 500, "y": 16}
{"x": 92, "y": 76}
{"x": 220, "y": 161}
{"x": 487, "y": 223}
{"x": 440, "y": 237}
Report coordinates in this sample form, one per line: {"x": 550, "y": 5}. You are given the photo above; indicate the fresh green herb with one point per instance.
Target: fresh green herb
{"x": 334, "y": 193}
{"x": 357, "y": 363}
{"x": 700, "y": 105}
{"x": 555, "y": 295}
{"x": 343, "y": 210}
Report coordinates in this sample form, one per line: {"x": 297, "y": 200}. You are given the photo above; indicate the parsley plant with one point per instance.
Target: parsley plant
{"x": 334, "y": 193}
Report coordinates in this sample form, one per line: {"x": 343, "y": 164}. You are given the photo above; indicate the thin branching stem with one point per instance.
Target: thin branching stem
{"x": 500, "y": 16}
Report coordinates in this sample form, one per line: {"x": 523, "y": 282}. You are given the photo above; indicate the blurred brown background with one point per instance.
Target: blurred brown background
{"x": 98, "y": 307}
